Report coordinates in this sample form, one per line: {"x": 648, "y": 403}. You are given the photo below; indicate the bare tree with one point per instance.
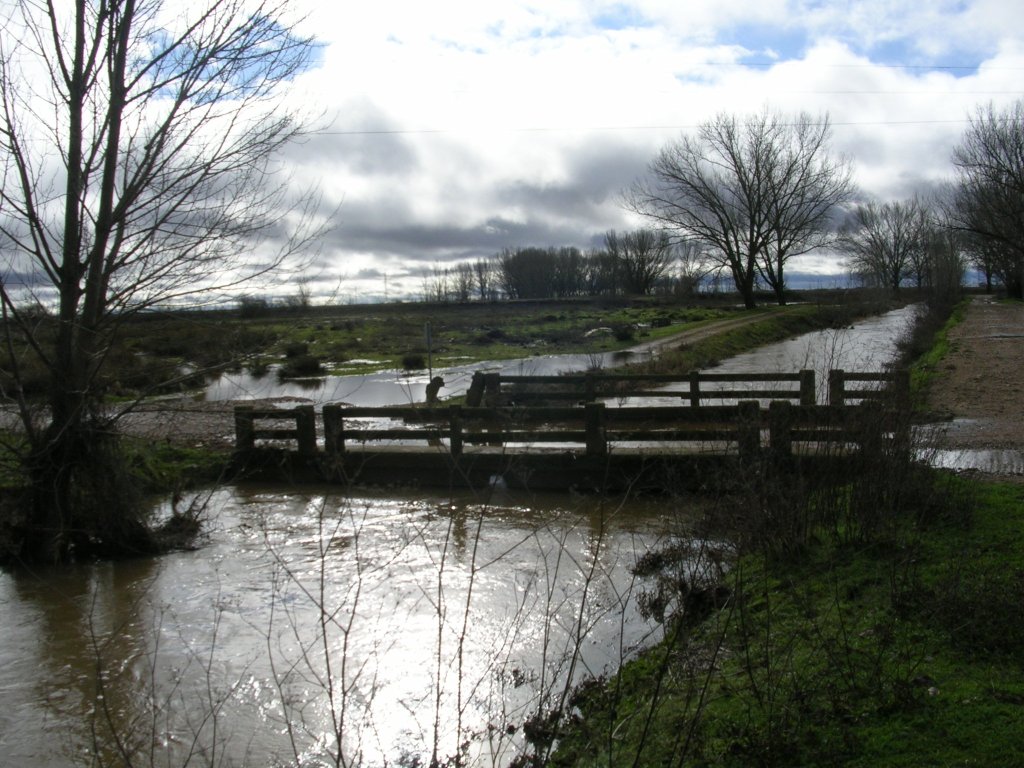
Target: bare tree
{"x": 990, "y": 199}
{"x": 641, "y": 256}
{"x": 692, "y": 266}
{"x": 528, "y": 273}
{"x": 882, "y": 242}
{"x": 755, "y": 193}
{"x": 601, "y": 273}
{"x": 570, "y": 272}
{"x": 483, "y": 271}
{"x": 944, "y": 263}
{"x": 806, "y": 184}
{"x": 464, "y": 281}
{"x": 135, "y": 142}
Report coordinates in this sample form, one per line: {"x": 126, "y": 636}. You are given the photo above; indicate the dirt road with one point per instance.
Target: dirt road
{"x": 694, "y": 335}
{"x": 978, "y": 384}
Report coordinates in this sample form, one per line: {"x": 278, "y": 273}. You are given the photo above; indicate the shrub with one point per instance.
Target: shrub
{"x": 623, "y": 332}
{"x": 303, "y": 365}
{"x": 296, "y": 349}
{"x": 414, "y": 361}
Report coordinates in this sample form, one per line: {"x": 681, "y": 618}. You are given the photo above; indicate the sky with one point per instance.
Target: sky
{"x": 446, "y": 131}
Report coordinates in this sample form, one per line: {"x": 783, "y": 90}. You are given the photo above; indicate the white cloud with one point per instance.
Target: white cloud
{"x": 458, "y": 128}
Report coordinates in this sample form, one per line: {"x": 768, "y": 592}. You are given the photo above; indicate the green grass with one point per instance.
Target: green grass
{"x": 905, "y": 650}
{"x": 773, "y": 324}
{"x": 161, "y": 467}
{"x": 926, "y": 367}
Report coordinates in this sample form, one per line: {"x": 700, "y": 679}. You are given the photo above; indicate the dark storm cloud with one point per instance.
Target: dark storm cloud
{"x": 573, "y": 212}
{"x": 590, "y": 197}
{"x": 448, "y": 242}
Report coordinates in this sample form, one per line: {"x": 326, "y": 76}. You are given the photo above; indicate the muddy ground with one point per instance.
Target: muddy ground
{"x": 978, "y": 384}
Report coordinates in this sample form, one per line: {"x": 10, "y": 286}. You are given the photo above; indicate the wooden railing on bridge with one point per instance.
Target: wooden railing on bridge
{"x": 593, "y": 426}
{"x": 697, "y": 388}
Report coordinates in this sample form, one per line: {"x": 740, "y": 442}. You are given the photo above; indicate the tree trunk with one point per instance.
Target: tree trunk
{"x": 82, "y": 501}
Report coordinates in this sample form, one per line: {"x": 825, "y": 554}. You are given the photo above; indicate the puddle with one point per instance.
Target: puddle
{"x": 994, "y": 461}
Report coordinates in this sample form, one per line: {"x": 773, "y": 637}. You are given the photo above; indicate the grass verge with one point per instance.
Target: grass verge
{"x": 928, "y": 345}
{"x": 903, "y": 650}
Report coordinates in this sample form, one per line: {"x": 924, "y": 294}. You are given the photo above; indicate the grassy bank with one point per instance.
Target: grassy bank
{"x": 768, "y": 326}
{"x": 905, "y": 650}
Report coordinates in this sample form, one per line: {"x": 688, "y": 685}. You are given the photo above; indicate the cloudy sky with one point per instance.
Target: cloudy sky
{"x": 451, "y": 129}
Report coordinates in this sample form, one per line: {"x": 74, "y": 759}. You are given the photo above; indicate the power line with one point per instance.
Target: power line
{"x": 600, "y": 128}
{"x": 870, "y": 65}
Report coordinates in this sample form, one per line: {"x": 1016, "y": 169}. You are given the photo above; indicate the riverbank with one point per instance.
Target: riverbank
{"x": 891, "y": 633}
{"x": 901, "y": 649}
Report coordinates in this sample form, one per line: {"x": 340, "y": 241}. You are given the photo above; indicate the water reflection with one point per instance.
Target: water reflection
{"x": 315, "y": 624}
{"x": 866, "y": 346}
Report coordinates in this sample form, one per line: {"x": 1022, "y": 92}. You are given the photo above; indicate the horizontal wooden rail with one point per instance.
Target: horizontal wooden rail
{"x": 303, "y": 430}
{"x": 595, "y": 427}
{"x": 497, "y": 389}
{"x": 892, "y": 385}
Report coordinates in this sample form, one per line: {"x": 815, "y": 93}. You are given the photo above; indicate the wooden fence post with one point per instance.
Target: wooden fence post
{"x": 597, "y": 442}
{"x": 492, "y": 389}
{"x": 305, "y": 426}
{"x": 837, "y": 387}
{"x": 868, "y": 428}
{"x": 748, "y": 437}
{"x": 901, "y": 389}
{"x": 245, "y": 429}
{"x": 694, "y": 389}
{"x": 589, "y": 388}
{"x": 475, "y": 393}
{"x": 455, "y": 430}
{"x": 808, "y": 393}
{"x": 780, "y": 429}
{"x": 334, "y": 429}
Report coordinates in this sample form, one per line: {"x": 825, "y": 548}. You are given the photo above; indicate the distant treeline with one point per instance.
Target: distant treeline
{"x": 635, "y": 263}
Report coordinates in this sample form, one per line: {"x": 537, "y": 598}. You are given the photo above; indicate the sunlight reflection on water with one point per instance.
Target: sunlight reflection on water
{"x": 389, "y": 622}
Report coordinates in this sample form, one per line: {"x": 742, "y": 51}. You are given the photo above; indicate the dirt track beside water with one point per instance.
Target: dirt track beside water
{"x": 978, "y": 385}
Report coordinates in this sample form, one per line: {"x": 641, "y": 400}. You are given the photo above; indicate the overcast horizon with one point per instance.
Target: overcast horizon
{"x": 451, "y": 130}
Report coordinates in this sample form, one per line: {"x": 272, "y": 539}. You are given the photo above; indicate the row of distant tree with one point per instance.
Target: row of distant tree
{"x": 637, "y": 262}
{"x": 741, "y": 198}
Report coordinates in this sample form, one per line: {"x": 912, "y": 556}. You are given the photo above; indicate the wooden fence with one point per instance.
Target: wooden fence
{"x": 852, "y": 415}
{"x": 593, "y": 429}
{"x": 698, "y": 389}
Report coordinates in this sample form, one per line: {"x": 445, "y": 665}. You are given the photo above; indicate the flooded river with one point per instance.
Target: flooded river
{"x": 318, "y": 627}
{"x": 397, "y": 626}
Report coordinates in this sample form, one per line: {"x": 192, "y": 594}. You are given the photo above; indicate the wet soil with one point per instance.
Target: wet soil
{"x": 978, "y": 384}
